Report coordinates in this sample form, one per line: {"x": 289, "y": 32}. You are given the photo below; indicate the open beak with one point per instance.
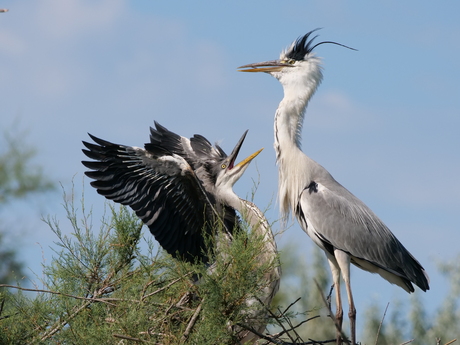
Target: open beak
{"x": 266, "y": 66}
{"x": 236, "y": 150}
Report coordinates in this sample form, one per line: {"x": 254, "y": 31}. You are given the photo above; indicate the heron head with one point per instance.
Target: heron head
{"x": 227, "y": 172}
{"x": 294, "y": 62}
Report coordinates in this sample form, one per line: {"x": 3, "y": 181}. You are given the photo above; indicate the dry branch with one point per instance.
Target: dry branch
{"x": 192, "y": 322}
{"x": 125, "y": 337}
{"x": 381, "y": 323}
{"x": 331, "y": 314}
{"x": 103, "y": 300}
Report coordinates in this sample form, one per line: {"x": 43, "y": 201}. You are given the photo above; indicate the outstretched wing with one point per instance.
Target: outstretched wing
{"x": 342, "y": 221}
{"x": 160, "y": 187}
{"x": 196, "y": 150}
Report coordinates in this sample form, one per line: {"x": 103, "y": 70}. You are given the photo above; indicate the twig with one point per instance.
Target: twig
{"x": 1, "y": 306}
{"x": 329, "y": 297}
{"x": 128, "y": 338}
{"x": 285, "y": 331}
{"x": 293, "y": 329}
{"x": 97, "y": 293}
{"x": 54, "y": 330}
{"x": 165, "y": 287}
{"x": 407, "y": 342}
{"x": 192, "y": 322}
{"x": 450, "y": 342}
{"x": 103, "y": 300}
{"x": 260, "y": 335}
{"x": 337, "y": 326}
{"x": 381, "y": 322}
{"x": 282, "y": 342}
{"x": 273, "y": 337}
{"x": 290, "y": 305}
{"x": 7, "y": 316}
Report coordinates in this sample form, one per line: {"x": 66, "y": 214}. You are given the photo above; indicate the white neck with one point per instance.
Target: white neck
{"x": 288, "y": 127}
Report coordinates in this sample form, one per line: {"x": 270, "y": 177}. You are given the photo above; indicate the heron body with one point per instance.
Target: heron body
{"x": 182, "y": 189}
{"x": 337, "y": 221}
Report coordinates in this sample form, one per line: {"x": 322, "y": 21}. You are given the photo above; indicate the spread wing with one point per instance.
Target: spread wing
{"x": 196, "y": 150}
{"x": 160, "y": 187}
{"x": 344, "y": 222}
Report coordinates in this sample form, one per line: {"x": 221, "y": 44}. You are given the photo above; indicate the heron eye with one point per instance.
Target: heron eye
{"x": 223, "y": 166}
{"x": 289, "y": 61}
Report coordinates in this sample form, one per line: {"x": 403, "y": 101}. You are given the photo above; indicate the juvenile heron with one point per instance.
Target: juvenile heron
{"x": 337, "y": 221}
{"x": 181, "y": 189}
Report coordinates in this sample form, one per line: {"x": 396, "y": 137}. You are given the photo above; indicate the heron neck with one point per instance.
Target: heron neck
{"x": 288, "y": 127}
{"x": 256, "y": 220}
{"x": 251, "y": 215}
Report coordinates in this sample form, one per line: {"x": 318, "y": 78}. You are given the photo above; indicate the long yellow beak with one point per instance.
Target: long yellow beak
{"x": 248, "y": 159}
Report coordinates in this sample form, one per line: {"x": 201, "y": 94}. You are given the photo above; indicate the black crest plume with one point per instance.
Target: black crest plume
{"x": 304, "y": 45}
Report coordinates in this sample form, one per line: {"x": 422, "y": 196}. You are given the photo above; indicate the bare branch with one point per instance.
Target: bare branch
{"x": 128, "y": 338}
{"x": 165, "y": 287}
{"x": 281, "y": 342}
{"x": 192, "y": 322}
{"x": 381, "y": 322}
{"x": 450, "y": 342}
{"x": 331, "y": 314}
{"x": 103, "y": 300}
{"x": 408, "y": 342}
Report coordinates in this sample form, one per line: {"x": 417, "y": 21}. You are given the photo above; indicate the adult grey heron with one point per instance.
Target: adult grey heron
{"x": 181, "y": 189}
{"x": 337, "y": 221}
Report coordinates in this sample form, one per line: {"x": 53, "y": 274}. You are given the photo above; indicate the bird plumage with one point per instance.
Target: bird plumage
{"x": 162, "y": 190}
{"x": 337, "y": 221}
{"x": 182, "y": 190}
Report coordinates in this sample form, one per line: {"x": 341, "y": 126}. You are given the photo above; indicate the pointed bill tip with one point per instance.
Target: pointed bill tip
{"x": 248, "y": 159}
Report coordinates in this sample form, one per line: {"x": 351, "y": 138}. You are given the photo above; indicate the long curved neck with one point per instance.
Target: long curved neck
{"x": 293, "y": 170}
{"x": 288, "y": 124}
{"x": 256, "y": 219}
{"x": 252, "y": 215}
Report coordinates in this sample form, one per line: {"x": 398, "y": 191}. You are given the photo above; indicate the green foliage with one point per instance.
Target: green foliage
{"x": 402, "y": 325}
{"x": 397, "y": 325}
{"x": 311, "y": 282}
{"x": 19, "y": 178}
{"x": 100, "y": 288}
{"x": 10, "y": 267}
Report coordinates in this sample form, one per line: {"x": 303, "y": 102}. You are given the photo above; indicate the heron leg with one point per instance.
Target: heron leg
{"x": 335, "y": 269}
{"x": 343, "y": 260}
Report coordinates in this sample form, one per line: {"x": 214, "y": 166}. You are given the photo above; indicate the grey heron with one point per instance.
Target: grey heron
{"x": 337, "y": 221}
{"x": 180, "y": 188}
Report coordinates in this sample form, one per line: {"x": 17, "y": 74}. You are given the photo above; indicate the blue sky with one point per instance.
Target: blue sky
{"x": 385, "y": 121}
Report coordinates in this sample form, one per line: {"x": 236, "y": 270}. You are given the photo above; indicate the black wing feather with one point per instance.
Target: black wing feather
{"x": 165, "y": 195}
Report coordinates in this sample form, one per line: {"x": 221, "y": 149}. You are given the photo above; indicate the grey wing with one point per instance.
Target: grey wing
{"x": 162, "y": 190}
{"x": 344, "y": 222}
